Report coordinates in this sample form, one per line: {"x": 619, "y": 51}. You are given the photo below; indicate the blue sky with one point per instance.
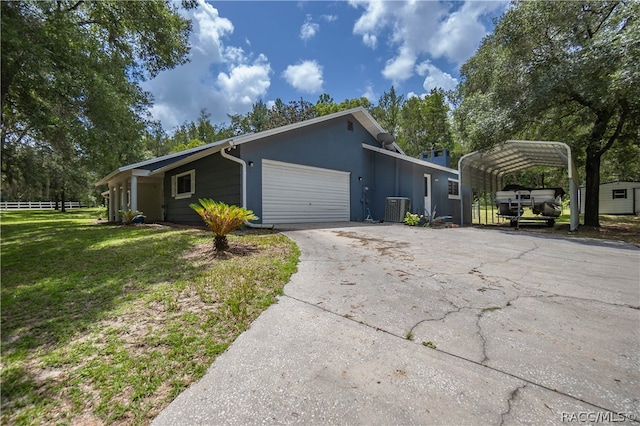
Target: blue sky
{"x": 245, "y": 51}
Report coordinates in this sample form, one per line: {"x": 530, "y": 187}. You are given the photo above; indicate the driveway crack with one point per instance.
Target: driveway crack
{"x": 510, "y": 400}
{"x": 446, "y": 314}
{"x": 485, "y": 358}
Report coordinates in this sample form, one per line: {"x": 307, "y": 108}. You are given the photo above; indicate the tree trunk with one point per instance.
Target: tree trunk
{"x": 220, "y": 243}
{"x": 592, "y": 196}
{"x": 63, "y": 209}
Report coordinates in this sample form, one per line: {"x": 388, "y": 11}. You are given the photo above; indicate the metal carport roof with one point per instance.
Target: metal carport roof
{"x": 487, "y": 168}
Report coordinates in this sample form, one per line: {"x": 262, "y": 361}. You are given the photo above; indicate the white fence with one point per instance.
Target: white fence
{"x": 36, "y": 205}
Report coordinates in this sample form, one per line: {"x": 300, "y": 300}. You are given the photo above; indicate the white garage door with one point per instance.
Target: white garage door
{"x": 292, "y": 193}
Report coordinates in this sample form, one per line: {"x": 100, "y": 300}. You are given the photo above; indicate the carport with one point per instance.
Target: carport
{"x": 485, "y": 169}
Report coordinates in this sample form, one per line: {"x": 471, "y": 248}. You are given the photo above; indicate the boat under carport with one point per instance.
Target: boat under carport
{"x": 486, "y": 169}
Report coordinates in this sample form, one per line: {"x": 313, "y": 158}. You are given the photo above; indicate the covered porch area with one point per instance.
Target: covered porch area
{"x": 135, "y": 190}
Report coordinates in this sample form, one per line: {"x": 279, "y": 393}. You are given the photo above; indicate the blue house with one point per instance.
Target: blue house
{"x": 338, "y": 167}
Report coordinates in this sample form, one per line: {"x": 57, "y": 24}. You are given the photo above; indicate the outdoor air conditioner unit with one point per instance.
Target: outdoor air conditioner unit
{"x": 395, "y": 209}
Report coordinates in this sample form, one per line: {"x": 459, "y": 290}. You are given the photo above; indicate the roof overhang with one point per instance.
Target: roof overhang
{"x": 405, "y": 157}
{"x": 485, "y": 169}
{"x": 183, "y": 157}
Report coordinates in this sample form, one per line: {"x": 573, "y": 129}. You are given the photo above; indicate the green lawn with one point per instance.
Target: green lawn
{"x": 106, "y": 323}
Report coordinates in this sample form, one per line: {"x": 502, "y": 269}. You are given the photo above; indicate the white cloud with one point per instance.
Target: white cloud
{"x": 309, "y": 29}
{"x": 305, "y": 77}
{"x": 210, "y": 28}
{"x": 419, "y": 29}
{"x": 222, "y": 79}
{"x": 371, "y": 22}
{"x": 460, "y": 34}
{"x": 369, "y": 94}
{"x": 330, "y": 18}
{"x": 370, "y": 40}
{"x": 435, "y": 77}
{"x": 244, "y": 84}
{"x": 401, "y": 67}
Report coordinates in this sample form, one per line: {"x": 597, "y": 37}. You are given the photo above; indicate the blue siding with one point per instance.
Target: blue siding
{"x": 392, "y": 177}
{"x": 329, "y": 145}
{"x": 216, "y": 178}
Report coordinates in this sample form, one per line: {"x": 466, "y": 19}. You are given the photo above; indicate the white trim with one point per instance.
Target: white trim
{"x": 243, "y": 164}
{"x": 427, "y": 198}
{"x": 409, "y": 159}
{"x": 453, "y": 196}
{"x": 174, "y": 185}
{"x": 296, "y": 193}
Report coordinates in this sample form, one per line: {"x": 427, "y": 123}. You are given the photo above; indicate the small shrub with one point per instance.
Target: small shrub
{"x": 221, "y": 218}
{"x": 411, "y": 219}
{"x": 129, "y": 215}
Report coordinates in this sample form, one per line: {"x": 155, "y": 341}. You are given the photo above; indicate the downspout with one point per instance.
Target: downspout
{"x": 242, "y": 163}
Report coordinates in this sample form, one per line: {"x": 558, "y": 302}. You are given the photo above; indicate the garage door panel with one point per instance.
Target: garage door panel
{"x": 292, "y": 193}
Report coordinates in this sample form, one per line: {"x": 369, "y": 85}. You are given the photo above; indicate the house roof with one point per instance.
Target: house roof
{"x": 409, "y": 159}
{"x": 168, "y": 162}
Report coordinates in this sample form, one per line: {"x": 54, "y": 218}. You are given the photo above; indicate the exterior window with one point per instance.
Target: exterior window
{"x": 454, "y": 189}
{"x": 619, "y": 193}
{"x": 183, "y": 185}
{"x": 350, "y": 125}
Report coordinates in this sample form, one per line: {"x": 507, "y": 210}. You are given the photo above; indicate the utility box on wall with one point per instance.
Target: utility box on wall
{"x": 396, "y": 208}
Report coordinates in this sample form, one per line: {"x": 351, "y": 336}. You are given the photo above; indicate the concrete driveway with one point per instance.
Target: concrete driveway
{"x": 389, "y": 324}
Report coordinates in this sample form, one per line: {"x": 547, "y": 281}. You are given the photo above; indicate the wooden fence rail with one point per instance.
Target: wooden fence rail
{"x": 36, "y": 205}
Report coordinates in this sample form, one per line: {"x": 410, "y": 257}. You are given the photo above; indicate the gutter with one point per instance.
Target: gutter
{"x": 224, "y": 154}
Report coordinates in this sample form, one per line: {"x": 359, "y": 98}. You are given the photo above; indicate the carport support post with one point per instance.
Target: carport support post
{"x": 484, "y": 198}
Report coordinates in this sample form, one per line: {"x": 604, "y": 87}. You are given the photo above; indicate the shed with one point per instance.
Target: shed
{"x": 617, "y": 197}
{"x": 486, "y": 169}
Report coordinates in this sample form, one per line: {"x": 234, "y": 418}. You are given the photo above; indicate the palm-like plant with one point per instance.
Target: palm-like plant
{"x": 129, "y": 215}
{"x": 222, "y": 218}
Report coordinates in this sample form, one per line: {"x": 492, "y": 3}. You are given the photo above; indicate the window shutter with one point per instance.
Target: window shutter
{"x": 173, "y": 186}
{"x": 193, "y": 182}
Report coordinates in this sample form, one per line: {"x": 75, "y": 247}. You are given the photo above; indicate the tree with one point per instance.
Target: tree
{"x": 424, "y": 124}
{"x": 558, "y": 70}
{"x": 257, "y": 120}
{"x": 71, "y": 72}
{"x": 325, "y": 104}
{"x": 196, "y": 133}
{"x": 387, "y": 112}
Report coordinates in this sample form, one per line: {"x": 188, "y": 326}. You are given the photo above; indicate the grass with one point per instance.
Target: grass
{"x": 105, "y": 324}
{"x": 612, "y": 227}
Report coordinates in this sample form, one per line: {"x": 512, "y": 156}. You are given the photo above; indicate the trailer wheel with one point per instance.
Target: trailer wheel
{"x": 551, "y": 223}
{"x": 513, "y": 223}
